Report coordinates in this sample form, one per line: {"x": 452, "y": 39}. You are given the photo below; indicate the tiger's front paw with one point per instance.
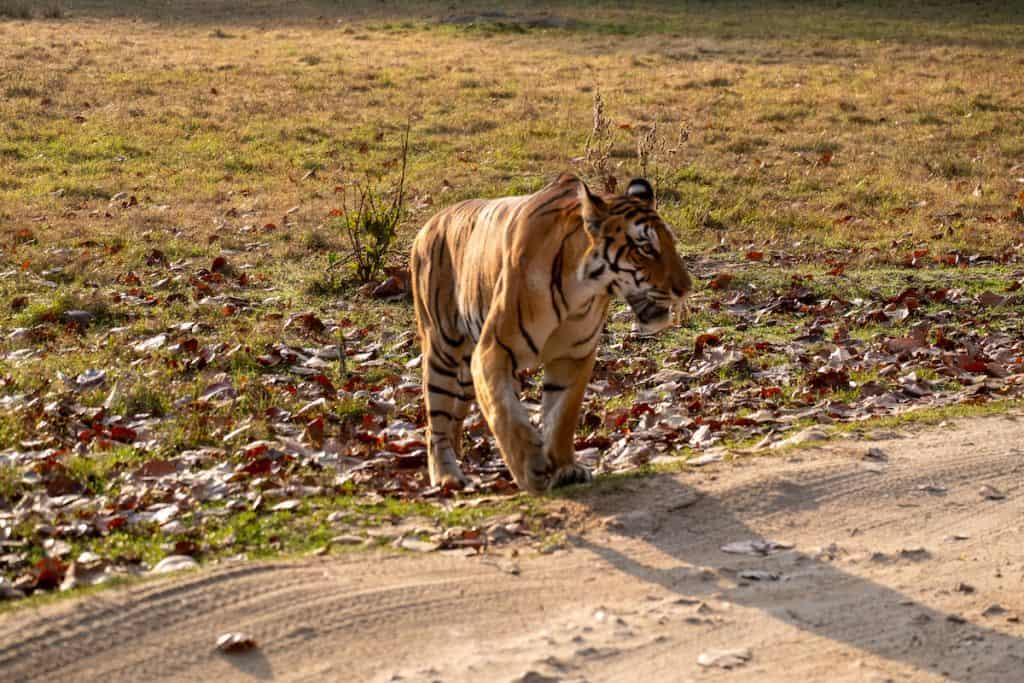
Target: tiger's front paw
{"x": 571, "y": 474}
{"x": 537, "y": 472}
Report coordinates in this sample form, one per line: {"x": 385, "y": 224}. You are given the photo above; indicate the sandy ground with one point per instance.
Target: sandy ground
{"x": 901, "y": 569}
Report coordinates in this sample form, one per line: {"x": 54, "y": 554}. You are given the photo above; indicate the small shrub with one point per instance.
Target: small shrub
{"x": 368, "y": 220}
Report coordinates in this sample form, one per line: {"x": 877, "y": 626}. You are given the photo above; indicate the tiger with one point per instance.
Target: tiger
{"x": 513, "y": 283}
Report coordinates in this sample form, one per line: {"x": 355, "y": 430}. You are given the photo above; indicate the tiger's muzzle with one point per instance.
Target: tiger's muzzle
{"x": 653, "y": 310}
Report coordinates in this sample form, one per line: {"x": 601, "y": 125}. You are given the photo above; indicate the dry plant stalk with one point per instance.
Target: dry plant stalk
{"x": 653, "y": 153}
{"x": 597, "y": 151}
{"x": 646, "y": 145}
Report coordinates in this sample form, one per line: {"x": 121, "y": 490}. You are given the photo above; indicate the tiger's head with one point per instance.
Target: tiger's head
{"x": 633, "y": 253}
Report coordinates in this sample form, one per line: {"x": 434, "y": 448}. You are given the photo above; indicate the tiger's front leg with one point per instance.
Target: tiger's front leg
{"x": 494, "y": 367}
{"x": 565, "y": 380}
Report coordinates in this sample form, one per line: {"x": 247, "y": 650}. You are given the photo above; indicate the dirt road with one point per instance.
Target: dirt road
{"x": 902, "y": 568}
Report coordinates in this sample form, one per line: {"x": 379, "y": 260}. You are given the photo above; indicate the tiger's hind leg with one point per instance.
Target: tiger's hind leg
{"x": 447, "y": 400}
{"x": 447, "y": 389}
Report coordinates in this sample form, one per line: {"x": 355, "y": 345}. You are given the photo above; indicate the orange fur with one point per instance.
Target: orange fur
{"x": 512, "y": 283}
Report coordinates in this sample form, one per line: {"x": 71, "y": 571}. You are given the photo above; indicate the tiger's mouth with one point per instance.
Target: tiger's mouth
{"x": 651, "y": 316}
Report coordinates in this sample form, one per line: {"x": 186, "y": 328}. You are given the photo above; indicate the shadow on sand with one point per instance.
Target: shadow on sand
{"x": 936, "y": 644}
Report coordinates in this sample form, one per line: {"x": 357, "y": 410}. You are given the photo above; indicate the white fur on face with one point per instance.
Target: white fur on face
{"x": 644, "y": 233}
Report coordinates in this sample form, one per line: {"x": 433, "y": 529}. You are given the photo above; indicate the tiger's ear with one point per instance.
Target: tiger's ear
{"x": 593, "y": 209}
{"x": 641, "y": 189}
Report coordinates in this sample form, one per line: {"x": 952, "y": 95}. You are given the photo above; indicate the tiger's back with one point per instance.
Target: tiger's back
{"x": 460, "y": 252}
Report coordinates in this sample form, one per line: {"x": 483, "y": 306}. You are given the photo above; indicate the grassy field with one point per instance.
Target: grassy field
{"x": 173, "y": 316}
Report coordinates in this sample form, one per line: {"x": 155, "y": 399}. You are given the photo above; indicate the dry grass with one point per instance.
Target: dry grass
{"x": 831, "y": 141}
{"x": 228, "y": 129}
